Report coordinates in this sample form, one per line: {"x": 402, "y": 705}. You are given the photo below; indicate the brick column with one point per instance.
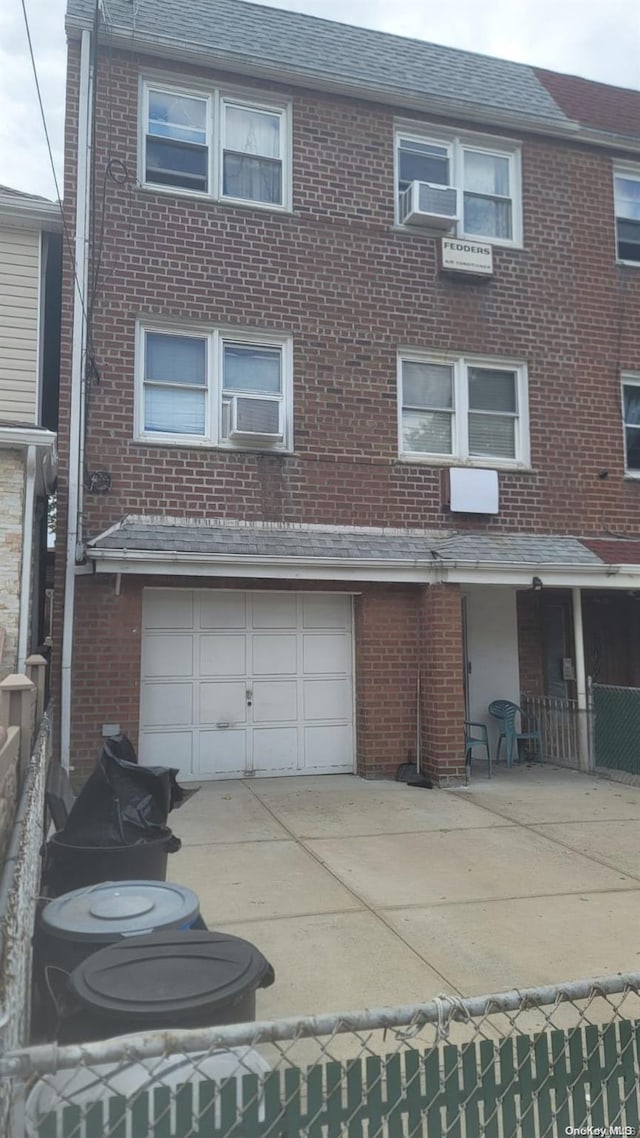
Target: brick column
{"x": 442, "y": 686}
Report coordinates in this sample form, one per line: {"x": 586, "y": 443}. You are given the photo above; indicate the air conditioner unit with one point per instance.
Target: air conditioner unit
{"x": 254, "y": 417}
{"x": 435, "y": 207}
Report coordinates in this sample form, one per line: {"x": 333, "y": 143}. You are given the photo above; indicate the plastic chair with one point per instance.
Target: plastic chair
{"x": 475, "y": 735}
{"x": 505, "y": 712}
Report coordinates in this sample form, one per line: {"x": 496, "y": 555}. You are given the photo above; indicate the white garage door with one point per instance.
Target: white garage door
{"x": 239, "y": 683}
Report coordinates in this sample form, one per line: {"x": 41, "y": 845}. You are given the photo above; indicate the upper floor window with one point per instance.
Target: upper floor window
{"x": 631, "y": 412}
{"x": 214, "y": 388}
{"x": 463, "y": 408}
{"x": 627, "y": 199}
{"x": 461, "y": 185}
{"x": 206, "y": 143}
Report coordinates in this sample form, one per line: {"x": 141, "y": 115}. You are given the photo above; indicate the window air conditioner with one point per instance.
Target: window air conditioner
{"x": 435, "y": 207}
{"x": 253, "y": 417}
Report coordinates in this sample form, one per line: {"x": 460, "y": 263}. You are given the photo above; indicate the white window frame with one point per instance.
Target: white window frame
{"x": 628, "y": 379}
{"x": 632, "y": 172}
{"x": 459, "y": 455}
{"x": 216, "y": 99}
{"x": 457, "y": 144}
{"x": 215, "y": 338}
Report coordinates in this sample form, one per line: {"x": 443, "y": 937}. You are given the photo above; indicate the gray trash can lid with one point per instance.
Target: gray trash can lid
{"x": 170, "y": 973}
{"x": 104, "y": 912}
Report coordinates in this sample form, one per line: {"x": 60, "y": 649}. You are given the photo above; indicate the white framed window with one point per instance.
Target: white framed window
{"x": 466, "y": 185}
{"x": 214, "y": 387}
{"x": 465, "y": 409}
{"x": 631, "y": 420}
{"x": 626, "y": 183}
{"x": 209, "y": 143}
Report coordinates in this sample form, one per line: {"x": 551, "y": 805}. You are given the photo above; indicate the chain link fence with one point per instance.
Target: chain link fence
{"x": 617, "y": 728}
{"x": 520, "y": 1064}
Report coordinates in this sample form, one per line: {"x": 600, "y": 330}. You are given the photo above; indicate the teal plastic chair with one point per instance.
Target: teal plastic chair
{"x": 475, "y": 735}
{"x": 505, "y": 712}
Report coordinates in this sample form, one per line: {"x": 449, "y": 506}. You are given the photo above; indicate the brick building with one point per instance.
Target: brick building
{"x": 349, "y": 437}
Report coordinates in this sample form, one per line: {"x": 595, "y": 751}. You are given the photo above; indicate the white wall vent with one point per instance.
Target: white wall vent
{"x": 435, "y": 207}
{"x": 473, "y": 491}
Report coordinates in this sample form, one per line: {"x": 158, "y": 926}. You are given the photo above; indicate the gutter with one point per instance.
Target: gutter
{"x": 26, "y": 437}
{"x": 27, "y": 558}
{"x": 76, "y": 416}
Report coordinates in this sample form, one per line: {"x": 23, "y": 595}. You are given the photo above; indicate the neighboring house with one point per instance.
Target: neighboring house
{"x": 30, "y": 286}
{"x": 362, "y": 444}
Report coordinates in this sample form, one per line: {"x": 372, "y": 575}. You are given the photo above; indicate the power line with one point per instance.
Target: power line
{"x": 52, "y": 163}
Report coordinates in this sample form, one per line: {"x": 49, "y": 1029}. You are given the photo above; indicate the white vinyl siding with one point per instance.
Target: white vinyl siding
{"x": 19, "y": 301}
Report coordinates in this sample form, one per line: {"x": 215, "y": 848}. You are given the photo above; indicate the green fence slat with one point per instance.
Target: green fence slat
{"x": 578, "y": 1075}
{"x": 229, "y": 1114}
{"x": 433, "y": 1116}
{"x": 508, "y": 1080}
{"x": 207, "y": 1097}
{"x": 71, "y": 1118}
{"x": 596, "y": 1074}
{"x": 486, "y": 1055}
{"x": 314, "y": 1122}
{"x": 394, "y": 1099}
{"x": 542, "y": 1086}
{"x": 48, "y": 1126}
{"x": 355, "y": 1091}
{"x": 94, "y": 1120}
{"x": 452, "y": 1090}
{"x": 139, "y": 1109}
{"x": 629, "y": 1064}
{"x": 612, "y": 1070}
{"x": 471, "y": 1076}
{"x": 333, "y": 1104}
{"x": 292, "y": 1120}
{"x": 184, "y": 1110}
{"x": 117, "y": 1112}
{"x": 272, "y": 1105}
{"x": 248, "y": 1087}
{"x": 413, "y": 1092}
{"x": 161, "y": 1112}
{"x": 524, "y": 1052}
{"x": 373, "y": 1095}
{"x": 557, "y": 1040}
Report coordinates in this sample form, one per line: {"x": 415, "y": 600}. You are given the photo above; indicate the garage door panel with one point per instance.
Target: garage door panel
{"x": 223, "y": 655}
{"x": 221, "y": 752}
{"x": 271, "y": 611}
{"x": 167, "y": 705}
{"x": 223, "y": 702}
{"x": 169, "y": 655}
{"x": 275, "y": 655}
{"x": 328, "y": 747}
{"x": 275, "y": 749}
{"x": 326, "y": 699}
{"x": 325, "y": 654}
{"x": 168, "y": 608}
{"x": 223, "y": 610}
{"x": 275, "y": 701}
{"x": 322, "y": 610}
{"x": 167, "y": 749}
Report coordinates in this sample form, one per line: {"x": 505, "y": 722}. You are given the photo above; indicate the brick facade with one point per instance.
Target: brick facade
{"x": 351, "y": 289}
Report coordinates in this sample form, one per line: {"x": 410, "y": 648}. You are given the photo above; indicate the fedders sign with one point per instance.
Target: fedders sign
{"x": 463, "y": 256}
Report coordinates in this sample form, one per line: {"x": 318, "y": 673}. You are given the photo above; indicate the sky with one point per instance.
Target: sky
{"x": 597, "y": 39}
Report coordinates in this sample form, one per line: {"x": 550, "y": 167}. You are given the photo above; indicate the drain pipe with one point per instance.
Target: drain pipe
{"x": 581, "y": 680}
{"x": 27, "y": 558}
{"x": 74, "y": 546}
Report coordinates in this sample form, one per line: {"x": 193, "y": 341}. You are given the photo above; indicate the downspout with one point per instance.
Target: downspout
{"x": 27, "y": 559}
{"x": 581, "y": 679}
{"x": 74, "y": 547}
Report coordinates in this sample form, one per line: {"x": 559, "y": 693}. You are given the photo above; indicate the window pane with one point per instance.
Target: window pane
{"x": 426, "y": 432}
{"x": 486, "y": 173}
{"x": 174, "y": 412}
{"x": 175, "y": 359}
{"x": 423, "y": 162}
{"x": 252, "y": 179}
{"x": 632, "y": 438}
{"x": 628, "y": 198}
{"x": 176, "y": 164}
{"x": 628, "y": 240}
{"x": 252, "y": 132}
{"x": 487, "y": 218}
{"x": 632, "y": 405}
{"x": 252, "y": 369}
{"x": 492, "y": 435}
{"x": 492, "y": 390}
{"x": 426, "y": 385}
{"x": 177, "y": 116}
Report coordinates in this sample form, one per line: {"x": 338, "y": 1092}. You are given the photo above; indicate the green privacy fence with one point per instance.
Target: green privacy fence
{"x": 523, "y": 1085}
{"x": 617, "y": 728}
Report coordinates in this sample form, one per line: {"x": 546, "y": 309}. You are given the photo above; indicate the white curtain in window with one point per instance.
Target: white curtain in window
{"x": 248, "y": 368}
{"x": 252, "y": 167}
{"x": 174, "y": 411}
{"x": 175, "y": 359}
{"x": 628, "y": 198}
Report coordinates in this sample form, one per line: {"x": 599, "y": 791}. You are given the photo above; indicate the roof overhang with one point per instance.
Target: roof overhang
{"x": 29, "y": 213}
{"x": 18, "y": 438}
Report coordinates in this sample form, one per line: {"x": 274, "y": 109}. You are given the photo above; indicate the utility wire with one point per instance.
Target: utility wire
{"x": 70, "y": 247}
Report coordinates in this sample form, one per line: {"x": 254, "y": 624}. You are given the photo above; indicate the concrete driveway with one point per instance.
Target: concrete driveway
{"x": 369, "y": 893}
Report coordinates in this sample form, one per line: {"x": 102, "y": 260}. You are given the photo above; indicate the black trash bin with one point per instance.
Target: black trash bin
{"x": 68, "y": 867}
{"x": 164, "y": 980}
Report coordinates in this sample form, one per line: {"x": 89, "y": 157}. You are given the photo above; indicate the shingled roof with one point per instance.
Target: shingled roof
{"x": 239, "y": 33}
{"x": 615, "y": 110}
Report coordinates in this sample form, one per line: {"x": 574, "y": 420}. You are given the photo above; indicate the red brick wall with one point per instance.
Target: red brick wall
{"x": 529, "y": 610}
{"x": 442, "y": 683}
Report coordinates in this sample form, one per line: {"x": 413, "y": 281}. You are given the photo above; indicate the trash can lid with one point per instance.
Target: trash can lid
{"x": 101, "y": 913}
{"x": 170, "y": 973}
